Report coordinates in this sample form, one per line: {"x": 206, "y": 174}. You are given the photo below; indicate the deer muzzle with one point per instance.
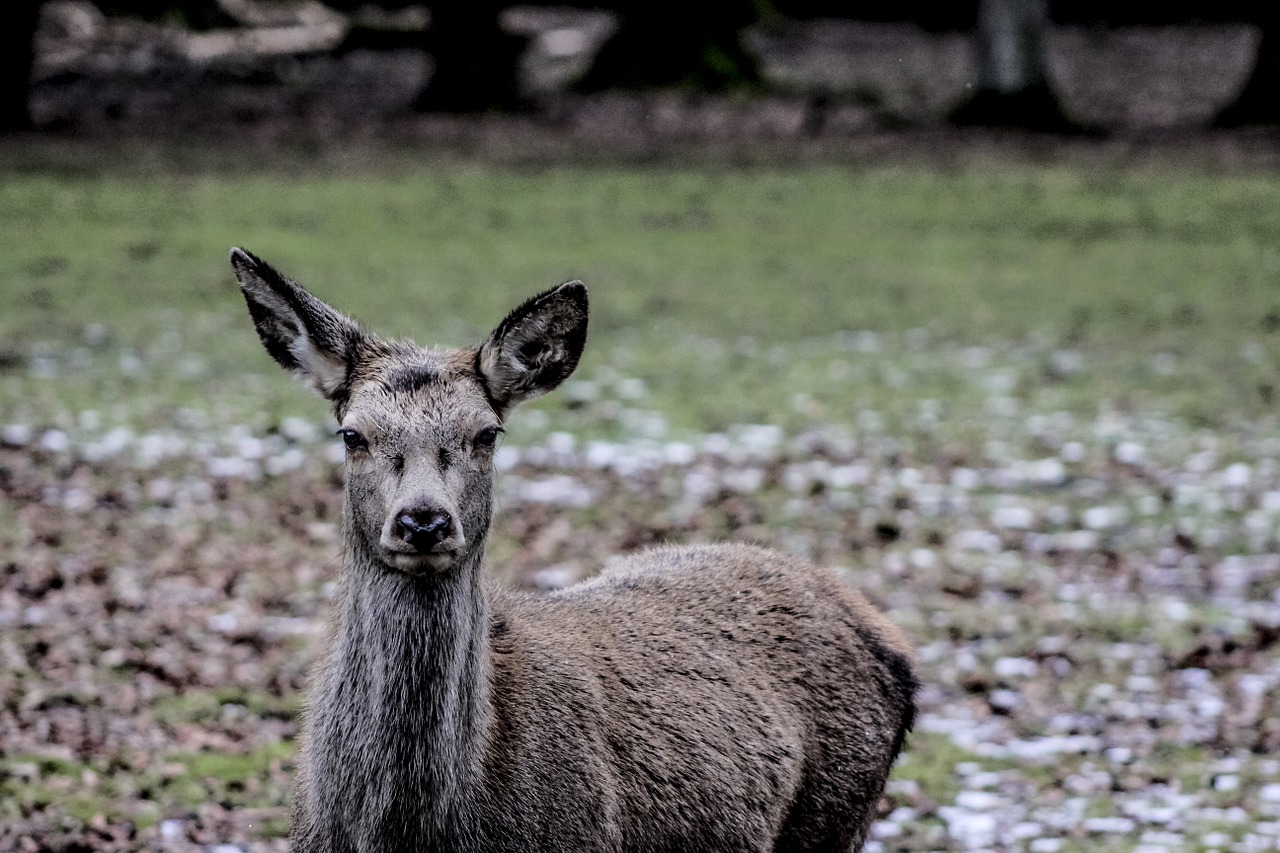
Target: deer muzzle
{"x": 416, "y": 539}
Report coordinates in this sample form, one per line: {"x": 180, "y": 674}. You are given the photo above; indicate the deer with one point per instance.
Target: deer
{"x": 715, "y": 698}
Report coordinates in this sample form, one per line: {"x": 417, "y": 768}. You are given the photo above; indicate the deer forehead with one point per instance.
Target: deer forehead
{"x": 432, "y": 398}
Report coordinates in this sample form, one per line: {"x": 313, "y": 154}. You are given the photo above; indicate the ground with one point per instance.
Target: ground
{"x": 1093, "y": 599}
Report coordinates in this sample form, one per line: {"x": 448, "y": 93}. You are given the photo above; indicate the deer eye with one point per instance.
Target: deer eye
{"x": 487, "y": 438}
{"x": 353, "y": 440}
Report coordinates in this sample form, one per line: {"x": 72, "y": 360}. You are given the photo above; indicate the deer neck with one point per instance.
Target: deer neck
{"x": 411, "y": 691}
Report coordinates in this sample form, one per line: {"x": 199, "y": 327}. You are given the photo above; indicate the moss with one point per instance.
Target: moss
{"x": 189, "y": 707}
{"x": 200, "y": 706}
{"x": 187, "y": 792}
{"x": 38, "y": 783}
{"x": 83, "y": 807}
{"x": 272, "y": 827}
{"x": 231, "y": 768}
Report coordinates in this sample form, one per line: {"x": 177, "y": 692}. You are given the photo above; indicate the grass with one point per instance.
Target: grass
{"x": 722, "y": 288}
{"x": 204, "y": 706}
{"x": 930, "y": 762}
{"x": 171, "y": 784}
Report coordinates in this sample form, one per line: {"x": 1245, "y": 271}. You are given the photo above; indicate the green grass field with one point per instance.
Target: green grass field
{"x": 694, "y": 271}
{"x": 1028, "y": 404}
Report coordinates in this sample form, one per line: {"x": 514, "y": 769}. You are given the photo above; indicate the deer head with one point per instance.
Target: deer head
{"x": 420, "y": 425}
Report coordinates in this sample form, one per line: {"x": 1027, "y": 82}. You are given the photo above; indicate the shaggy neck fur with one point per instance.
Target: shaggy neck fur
{"x": 398, "y": 755}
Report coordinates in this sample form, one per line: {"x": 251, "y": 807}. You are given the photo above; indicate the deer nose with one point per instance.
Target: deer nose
{"x": 423, "y": 529}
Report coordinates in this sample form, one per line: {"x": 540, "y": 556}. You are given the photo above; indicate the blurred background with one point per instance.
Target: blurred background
{"x": 801, "y": 68}
{"x": 975, "y": 302}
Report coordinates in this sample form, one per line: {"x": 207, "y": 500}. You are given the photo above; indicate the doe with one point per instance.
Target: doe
{"x": 711, "y": 698}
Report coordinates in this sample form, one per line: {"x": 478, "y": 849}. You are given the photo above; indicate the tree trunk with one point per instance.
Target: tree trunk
{"x": 668, "y": 43}
{"x": 476, "y": 63}
{"x": 1010, "y": 51}
{"x": 17, "y": 50}
{"x": 1259, "y": 101}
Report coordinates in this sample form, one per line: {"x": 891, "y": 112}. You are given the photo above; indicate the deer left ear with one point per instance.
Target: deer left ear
{"x": 536, "y": 347}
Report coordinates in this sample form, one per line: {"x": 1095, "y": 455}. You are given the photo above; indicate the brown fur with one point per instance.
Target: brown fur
{"x": 713, "y": 698}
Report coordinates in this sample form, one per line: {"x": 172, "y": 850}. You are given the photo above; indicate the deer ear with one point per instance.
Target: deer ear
{"x": 536, "y": 347}
{"x": 303, "y": 334}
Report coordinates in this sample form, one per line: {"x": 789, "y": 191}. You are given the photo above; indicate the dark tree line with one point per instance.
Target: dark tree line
{"x": 476, "y": 62}
{"x": 1011, "y": 56}
{"x": 17, "y": 50}
{"x": 662, "y": 43}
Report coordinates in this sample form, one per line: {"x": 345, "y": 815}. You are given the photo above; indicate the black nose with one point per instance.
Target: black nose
{"x": 424, "y": 529}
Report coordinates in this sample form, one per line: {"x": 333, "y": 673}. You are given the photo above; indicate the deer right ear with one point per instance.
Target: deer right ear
{"x": 536, "y": 347}
{"x": 302, "y": 333}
